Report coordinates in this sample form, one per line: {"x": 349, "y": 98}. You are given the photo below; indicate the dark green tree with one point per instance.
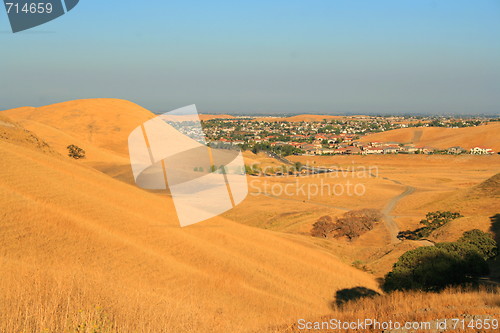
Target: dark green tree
{"x": 75, "y": 152}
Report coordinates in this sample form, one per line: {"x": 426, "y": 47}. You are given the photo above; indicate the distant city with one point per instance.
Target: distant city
{"x": 332, "y": 135}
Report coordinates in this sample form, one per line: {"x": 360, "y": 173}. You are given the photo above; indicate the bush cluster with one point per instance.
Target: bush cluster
{"x": 351, "y": 225}
{"x": 432, "y": 268}
{"x": 432, "y": 221}
{"x": 75, "y": 152}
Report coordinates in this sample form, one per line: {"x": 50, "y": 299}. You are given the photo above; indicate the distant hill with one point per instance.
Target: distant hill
{"x": 466, "y": 137}
{"x": 299, "y": 118}
{"x": 216, "y": 116}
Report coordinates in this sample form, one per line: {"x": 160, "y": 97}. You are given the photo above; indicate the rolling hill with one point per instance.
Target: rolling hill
{"x": 215, "y": 116}
{"x": 467, "y": 137}
{"x": 79, "y": 247}
{"x": 299, "y": 118}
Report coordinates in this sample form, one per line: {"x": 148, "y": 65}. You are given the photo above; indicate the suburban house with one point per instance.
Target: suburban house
{"x": 391, "y": 150}
{"x": 408, "y": 149}
{"x": 456, "y": 150}
{"x": 373, "y": 150}
{"x": 348, "y": 150}
{"x": 481, "y": 151}
{"x": 426, "y": 150}
{"x": 327, "y": 151}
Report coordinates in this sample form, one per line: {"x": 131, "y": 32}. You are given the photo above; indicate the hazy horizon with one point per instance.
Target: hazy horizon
{"x": 334, "y": 57}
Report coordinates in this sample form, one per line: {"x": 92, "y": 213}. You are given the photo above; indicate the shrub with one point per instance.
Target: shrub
{"x": 483, "y": 242}
{"x": 432, "y": 268}
{"x": 432, "y": 221}
{"x": 75, "y": 152}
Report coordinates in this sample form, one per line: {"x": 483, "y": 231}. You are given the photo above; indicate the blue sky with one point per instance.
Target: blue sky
{"x": 291, "y": 56}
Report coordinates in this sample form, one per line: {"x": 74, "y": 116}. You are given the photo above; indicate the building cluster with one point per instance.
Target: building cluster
{"x": 347, "y": 145}
{"x": 335, "y": 137}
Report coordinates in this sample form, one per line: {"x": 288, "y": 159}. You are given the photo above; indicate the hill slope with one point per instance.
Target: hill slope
{"x": 299, "y": 118}
{"x": 215, "y": 116}
{"x": 103, "y": 123}
{"x": 437, "y": 137}
{"x": 78, "y": 246}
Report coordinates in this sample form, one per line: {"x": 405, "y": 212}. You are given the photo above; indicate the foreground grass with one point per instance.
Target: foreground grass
{"x": 460, "y": 303}
{"x": 37, "y": 302}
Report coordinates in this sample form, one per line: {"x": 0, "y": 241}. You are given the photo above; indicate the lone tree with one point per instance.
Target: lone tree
{"x": 323, "y": 227}
{"x": 75, "y": 152}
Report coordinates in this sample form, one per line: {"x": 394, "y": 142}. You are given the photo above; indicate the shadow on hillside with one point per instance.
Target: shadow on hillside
{"x": 495, "y": 262}
{"x": 350, "y": 294}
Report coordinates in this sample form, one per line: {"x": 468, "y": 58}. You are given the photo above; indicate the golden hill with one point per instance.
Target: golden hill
{"x": 99, "y": 126}
{"x": 478, "y": 204}
{"x": 104, "y": 122}
{"x": 467, "y": 137}
{"x": 78, "y": 247}
{"x": 299, "y": 118}
{"x": 482, "y": 198}
{"x": 215, "y": 116}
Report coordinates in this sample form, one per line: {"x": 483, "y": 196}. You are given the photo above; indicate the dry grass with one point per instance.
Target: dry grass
{"x": 74, "y": 238}
{"x": 35, "y": 300}
{"x": 80, "y": 245}
{"x": 415, "y": 307}
{"x": 301, "y": 117}
{"x": 205, "y": 117}
{"x": 467, "y": 137}
{"x": 440, "y": 182}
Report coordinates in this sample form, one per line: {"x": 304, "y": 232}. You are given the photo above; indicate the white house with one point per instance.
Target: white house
{"x": 373, "y": 150}
{"x": 481, "y": 151}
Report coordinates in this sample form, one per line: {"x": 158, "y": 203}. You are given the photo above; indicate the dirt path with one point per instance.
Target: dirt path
{"x": 417, "y": 134}
{"x": 389, "y": 221}
{"x": 390, "y": 224}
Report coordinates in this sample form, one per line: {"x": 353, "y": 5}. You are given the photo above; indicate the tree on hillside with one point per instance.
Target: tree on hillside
{"x": 356, "y": 222}
{"x": 75, "y": 152}
{"x": 484, "y": 243}
{"x": 350, "y": 225}
{"x": 323, "y": 227}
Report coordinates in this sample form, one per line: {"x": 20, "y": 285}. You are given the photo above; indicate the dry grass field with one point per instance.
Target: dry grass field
{"x": 415, "y": 308}
{"x": 82, "y": 249}
{"x": 467, "y": 137}
{"x": 299, "y": 118}
{"x": 215, "y": 116}
{"x": 437, "y": 182}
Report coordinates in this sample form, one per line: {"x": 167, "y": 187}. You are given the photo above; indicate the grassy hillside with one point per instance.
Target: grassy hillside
{"x": 299, "y": 118}
{"x": 414, "y": 307}
{"x": 437, "y": 137}
{"x": 80, "y": 247}
{"x": 215, "y": 116}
